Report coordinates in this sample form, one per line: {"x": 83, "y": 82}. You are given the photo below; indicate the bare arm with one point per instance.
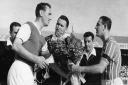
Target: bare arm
{"x": 18, "y": 48}
{"x": 98, "y": 68}
{"x": 45, "y": 52}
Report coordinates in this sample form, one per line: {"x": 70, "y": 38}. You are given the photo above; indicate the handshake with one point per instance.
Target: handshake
{"x": 38, "y": 69}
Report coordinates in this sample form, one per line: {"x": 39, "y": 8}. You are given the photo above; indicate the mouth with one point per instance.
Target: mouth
{"x": 48, "y": 21}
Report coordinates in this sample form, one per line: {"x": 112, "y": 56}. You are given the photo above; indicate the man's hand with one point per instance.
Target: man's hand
{"x": 41, "y": 62}
{"x": 76, "y": 68}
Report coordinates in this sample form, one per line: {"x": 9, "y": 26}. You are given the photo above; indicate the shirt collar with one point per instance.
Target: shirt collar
{"x": 93, "y": 52}
{"x": 9, "y": 41}
{"x": 110, "y": 38}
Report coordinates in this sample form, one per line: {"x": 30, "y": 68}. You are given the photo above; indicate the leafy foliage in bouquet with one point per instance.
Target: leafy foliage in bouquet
{"x": 74, "y": 47}
{"x": 57, "y": 47}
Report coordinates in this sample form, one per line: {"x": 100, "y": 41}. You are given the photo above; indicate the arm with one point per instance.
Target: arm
{"x": 18, "y": 48}
{"x": 98, "y": 68}
{"x": 22, "y": 36}
{"x": 107, "y": 56}
{"x": 46, "y": 54}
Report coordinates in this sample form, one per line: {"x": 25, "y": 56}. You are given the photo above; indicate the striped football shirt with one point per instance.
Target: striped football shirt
{"x": 112, "y": 55}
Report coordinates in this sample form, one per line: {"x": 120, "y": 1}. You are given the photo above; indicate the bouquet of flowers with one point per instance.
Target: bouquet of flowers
{"x": 69, "y": 48}
{"x": 57, "y": 47}
{"x": 65, "y": 50}
{"x": 74, "y": 48}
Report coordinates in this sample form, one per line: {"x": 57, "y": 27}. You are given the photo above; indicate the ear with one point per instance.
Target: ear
{"x": 105, "y": 26}
{"x": 41, "y": 13}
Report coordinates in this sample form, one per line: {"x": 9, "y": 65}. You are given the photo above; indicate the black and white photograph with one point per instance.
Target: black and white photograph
{"x": 63, "y": 42}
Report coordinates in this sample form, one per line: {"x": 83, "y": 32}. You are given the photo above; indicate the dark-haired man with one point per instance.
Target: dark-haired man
{"x": 27, "y": 45}
{"x": 90, "y": 57}
{"x": 60, "y": 33}
{"x": 14, "y": 28}
{"x": 110, "y": 62}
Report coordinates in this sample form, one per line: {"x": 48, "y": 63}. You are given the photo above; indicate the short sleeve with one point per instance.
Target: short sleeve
{"x": 44, "y": 48}
{"x": 9, "y": 42}
{"x": 105, "y": 60}
{"x": 110, "y": 50}
{"x": 24, "y": 32}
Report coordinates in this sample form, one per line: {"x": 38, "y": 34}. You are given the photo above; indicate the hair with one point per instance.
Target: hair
{"x": 106, "y": 21}
{"x": 65, "y": 18}
{"x": 41, "y": 6}
{"x": 14, "y": 24}
{"x": 88, "y": 34}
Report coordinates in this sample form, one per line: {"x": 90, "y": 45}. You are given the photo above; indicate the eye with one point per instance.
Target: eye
{"x": 97, "y": 24}
{"x": 57, "y": 23}
{"x": 62, "y": 26}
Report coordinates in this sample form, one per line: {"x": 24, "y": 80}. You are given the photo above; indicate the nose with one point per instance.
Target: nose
{"x": 87, "y": 44}
{"x": 57, "y": 27}
{"x": 95, "y": 27}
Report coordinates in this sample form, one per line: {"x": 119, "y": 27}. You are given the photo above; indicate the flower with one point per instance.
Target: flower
{"x": 75, "y": 48}
{"x": 65, "y": 52}
{"x": 124, "y": 71}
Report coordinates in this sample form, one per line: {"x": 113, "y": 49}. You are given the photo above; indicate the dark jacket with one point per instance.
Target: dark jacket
{"x": 91, "y": 79}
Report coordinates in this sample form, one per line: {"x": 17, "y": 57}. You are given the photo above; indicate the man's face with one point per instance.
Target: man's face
{"x": 88, "y": 42}
{"x": 99, "y": 28}
{"x": 46, "y": 16}
{"x": 14, "y": 31}
{"x": 60, "y": 27}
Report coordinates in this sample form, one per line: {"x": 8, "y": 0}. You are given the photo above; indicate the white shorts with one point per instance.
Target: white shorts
{"x": 20, "y": 73}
